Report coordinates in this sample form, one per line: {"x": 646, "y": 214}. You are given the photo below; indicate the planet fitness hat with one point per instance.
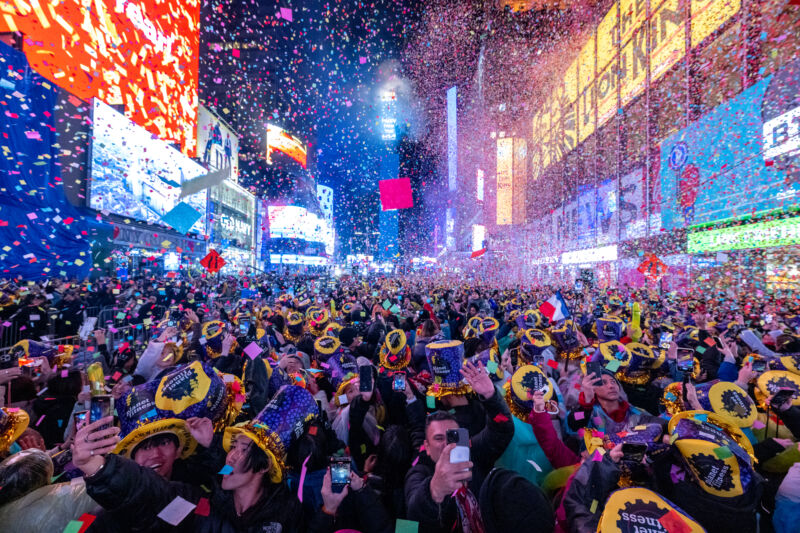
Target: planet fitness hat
{"x": 634, "y": 510}
{"x": 326, "y": 346}
{"x": 13, "y": 422}
{"x": 772, "y": 381}
{"x": 445, "y": 359}
{"x": 192, "y": 390}
{"x": 274, "y": 429}
{"x": 519, "y": 391}
{"x": 718, "y": 454}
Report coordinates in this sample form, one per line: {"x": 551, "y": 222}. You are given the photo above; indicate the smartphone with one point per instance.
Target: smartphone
{"x": 633, "y": 452}
{"x": 365, "y": 378}
{"x": 685, "y": 359}
{"x": 665, "y": 340}
{"x": 759, "y": 365}
{"x": 172, "y": 323}
{"x": 79, "y": 419}
{"x": 783, "y": 395}
{"x": 459, "y": 437}
{"x": 340, "y": 473}
{"x": 244, "y": 327}
{"x": 399, "y": 381}
{"x": 100, "y": 407}
{"x": 718, "y": 342}
{"x": 595, "y": 368}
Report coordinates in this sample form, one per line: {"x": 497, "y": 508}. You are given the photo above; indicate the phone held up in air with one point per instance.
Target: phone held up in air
{"x": 340, "y": 473}
{"x": 101, "y": 407}
{"x": 633, "y": 452}
{"x": 459, "y": 437}
{"x": 365, "y": 378}
{"x": 399, "y": 381}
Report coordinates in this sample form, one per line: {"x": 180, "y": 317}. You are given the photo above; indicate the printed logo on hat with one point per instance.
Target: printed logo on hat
{"x": 637, "y": 510}
{"x": 180, "y": 390}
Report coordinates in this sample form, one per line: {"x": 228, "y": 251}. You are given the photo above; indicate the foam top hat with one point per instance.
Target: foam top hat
{"x": 727, "y": 400}
{"x": 333, "y": 329}
{"x": 326, "y": 346}
{"x": 13, "y": 422}
{"x": 615, "y": 351}
{"x": 634, "y": 510}
{"x": 609, "y": 328}
{"x": 649, "y": 434}
{"x": 395, "y": 354}
{"x": 789, "y": 362}
{"x": 529, "y": 319}
{"x": 28, "y": 349}
{"x": 489, "y": 329}
{"x": 318, "y": 321}
{"x": 342, "y": 370}
{"x": 718, "y": 454}
{"x": 294, "y": 326}
{"x": 162, "y": 406}
{"x": 772, "y": 381}
{"x": 445, "y": 359}
{"x": 214, "y": 333}
{"x": 519, "y": 392}
{"x": 567, "y": 341}
{"x": 642, "y": 359}
{"x": 473, "y": 328}
{"x": 280, "y": 423}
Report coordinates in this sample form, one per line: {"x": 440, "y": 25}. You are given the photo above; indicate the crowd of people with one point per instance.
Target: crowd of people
{"x": 266, "y": 404}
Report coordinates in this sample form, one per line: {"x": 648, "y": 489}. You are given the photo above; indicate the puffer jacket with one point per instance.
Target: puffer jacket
{"x": 418, "y": 358}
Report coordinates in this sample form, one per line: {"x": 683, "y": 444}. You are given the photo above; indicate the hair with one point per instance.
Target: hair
{"x": 312, "y": 446}
{"x": 394, "y": 455}
{"x": 69, "y": 386}
{"x": 438, "y": 416}
{"x": 23, "y": 389}
{"x": 428, "y": 328}
{"x": 155, "y": 441}
{"x": 257, "y": 460}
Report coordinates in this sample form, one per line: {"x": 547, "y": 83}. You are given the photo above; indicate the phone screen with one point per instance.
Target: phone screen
{"x": 100, "y": 407}
{"x": 340, "y": 472}
{"x": 665, "y": 341}
{"x": 399, "y": 381}
{"x": 782, "y": 396}
{"x": 459, "y": 437}
{"x": 244, "y": 327}
{"x": 365, "y": 378}
{"x": 759, "y": 365}
{"x": 78, "y": 419}
{"x": 685, "y": 360}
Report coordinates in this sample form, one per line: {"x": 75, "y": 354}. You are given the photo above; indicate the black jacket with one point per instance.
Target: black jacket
{"x": 137, "y": 495}
{"x": 487, "y": 447}
{"x": 791, "y": 418}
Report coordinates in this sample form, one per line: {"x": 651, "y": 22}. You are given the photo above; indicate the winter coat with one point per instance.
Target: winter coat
{"x": 487, "y": 447}
{"x": 139, "y": 494}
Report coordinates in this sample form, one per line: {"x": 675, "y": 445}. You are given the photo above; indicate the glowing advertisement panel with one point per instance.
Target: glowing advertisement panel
{"x": 716, "y": 168}
{"x": 279, "y": 140}
{"x": 593, "y": 255}
{"x": 768, "y": 234}
{"x": 142, "y": 54}
{"x": 294, "y": 222}
{"x": 136, "y": 176}
{"x": 218, "y": 145}
{"x": 478, "y": 236}
{"x": 505, "y": 180}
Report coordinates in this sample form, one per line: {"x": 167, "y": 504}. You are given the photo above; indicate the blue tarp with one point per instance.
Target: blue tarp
{"x": 41, "y": 233}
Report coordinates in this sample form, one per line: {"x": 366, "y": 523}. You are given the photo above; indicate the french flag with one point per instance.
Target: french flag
{"x": 555, "y": 308}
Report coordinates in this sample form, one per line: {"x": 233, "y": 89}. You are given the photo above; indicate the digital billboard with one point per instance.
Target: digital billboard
{"x": 295, "y": 222}
{"x": 234, "y": 214}
{"x": 134, "y": 175}
{"x": 142, "y": 54}
{"x": 783, "y": 232}
{"x": 217, "y": 144}
{"x": 505, "y": 180}
{"x": 279, "y": 140}
{"x": 719, "y": 166}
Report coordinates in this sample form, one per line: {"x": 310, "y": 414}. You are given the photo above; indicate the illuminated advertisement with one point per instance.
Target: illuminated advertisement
{"x": 606, "y": 227}
{"x": 720, "y": 168}
{"x": 783, "y": 269}
{"x": 613, "y": 63}
{"x": 519, "y": 175}
{"x": 142, "y": 54}
{"x": 172, "y": 261}
{"x": 234, "y": 215}
{"x": 479, "y": 185}
{"x": 279, "y": 140}
{"x": 505, "y": 180}
{"x": 217, "y": 144}
{"x": 593, "y": 255}
{"x": 136, "y": 176}
{"x": 783, "y": 232}
{"x": 452, "y": 138}
{"x": 294, "y": 222}
{"x": 478, "y": 236}
{"x": 632, "y": 221}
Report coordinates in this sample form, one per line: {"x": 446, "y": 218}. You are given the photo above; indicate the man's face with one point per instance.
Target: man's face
{"x": 436, "y": 437}
{"x": 236, "y": 459}
{"x": 293, "y": 365}
{"x": 608, "y": 390}
{"x": 160, "y": 458}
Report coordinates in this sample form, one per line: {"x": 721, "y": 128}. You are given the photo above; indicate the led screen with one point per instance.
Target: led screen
{"x": 142, "y": 54}
{"x": 217, "y": 145}
{"x": 279, "y": 140}
{"x": 137, "y": 176}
